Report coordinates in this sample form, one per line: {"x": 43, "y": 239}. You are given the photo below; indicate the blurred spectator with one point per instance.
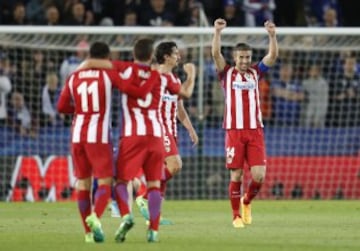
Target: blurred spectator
{"x": 19, "y": 115}
{"x": 315, "y": 10}
{"x": 79, "y": 15}
{"x": 5, "y": 88}
{"x": 257, "y": 11}
{"x": 233, "y": 15}
{"x": 71, "y": 63}
{"x": 49, "y": 97}
{"x": 156, "y": 14}
{"x": 344, "y": 95}
{"x": 297, "y": 191}
{"x": 130, "y": 18}
{"x": 330, "y": 18}
{"x": 52, "y": 16}
{"x": 277, "y": 189}
{"x": 317, "y": 97}
{"x": 287, "y": 95}
{"x": 19, "y": 15}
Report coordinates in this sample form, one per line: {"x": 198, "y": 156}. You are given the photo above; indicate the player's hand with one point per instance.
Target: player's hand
{"x": 189, "y": 69}
{"x": 194, "y": 137}
{"x": 270, "y": 28}
{"x": 219, "y": 24}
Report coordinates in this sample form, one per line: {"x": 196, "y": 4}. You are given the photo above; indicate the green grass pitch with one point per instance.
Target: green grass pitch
{"x": 199, "y": 225}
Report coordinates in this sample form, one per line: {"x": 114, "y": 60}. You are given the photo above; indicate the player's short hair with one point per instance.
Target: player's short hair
{"x": 99, "y": 50}
{"x": 242, "y": 47}
{"x": 164, "y": 48}
{"x": 143, "y": 49}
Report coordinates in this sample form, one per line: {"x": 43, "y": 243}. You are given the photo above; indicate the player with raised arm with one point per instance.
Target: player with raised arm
{"x": 87, "y": 95}
{"x": 141, "y": 141}
{"x": 167, "y": 56}
{"x": 244, "y": 138}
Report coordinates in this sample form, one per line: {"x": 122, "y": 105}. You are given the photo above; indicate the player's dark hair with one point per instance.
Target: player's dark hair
{"x": 99, "y": 50}
{"x": 143, "y": 49}
{"x": 164, "y": 48}
{"x": 242, "y": 47}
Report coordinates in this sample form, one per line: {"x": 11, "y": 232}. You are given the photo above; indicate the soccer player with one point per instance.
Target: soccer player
{"x": 87, "y": 95}
{"x": 167, "y": 56}
{"x": 244, "y": 138}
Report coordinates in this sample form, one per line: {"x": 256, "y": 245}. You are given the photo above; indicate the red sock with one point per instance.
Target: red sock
{"x": 163, "y": 182}
{"x": 84, "y": 206}
{"x": 234, "y": 195}
{"x": 102, "y": 197}
{"x": 252, "y": 191}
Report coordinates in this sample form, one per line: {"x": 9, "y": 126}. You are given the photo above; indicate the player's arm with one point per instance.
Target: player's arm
{"x": 186, "y": 122}
{"x": 219, "y": 60}
{"x": 128, "y": 82}
{"x": 271, "y": 56}
{"x": 187, "y": 88}
{"x": 65, "y": 103}
{"x": 95, "y": 63}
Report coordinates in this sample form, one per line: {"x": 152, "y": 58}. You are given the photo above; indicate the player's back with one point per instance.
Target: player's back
{"x": 91, "y": 92}
{"x": 141, "y": 116}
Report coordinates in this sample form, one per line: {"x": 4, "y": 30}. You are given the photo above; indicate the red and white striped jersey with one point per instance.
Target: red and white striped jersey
{"x": 170, "y": 104}
{"x": 87, "y": 94}
{"x": 242, "y": 101}
{"x": 89, "y": 91}
{"x": 142, "y": 116}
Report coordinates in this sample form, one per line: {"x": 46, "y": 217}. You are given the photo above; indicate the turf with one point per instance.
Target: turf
{"x": 199, "y": 225}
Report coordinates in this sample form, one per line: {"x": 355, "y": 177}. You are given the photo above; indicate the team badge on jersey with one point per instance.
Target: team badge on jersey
{"x": 230, "y": 153}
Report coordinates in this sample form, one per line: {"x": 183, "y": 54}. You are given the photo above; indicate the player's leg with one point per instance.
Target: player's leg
{"x": 83, "y": 187}
{"x": 173, "y": 165}
{"x": 100, "y": 157}
{"x": 234, "y": 160}
{"x": 130, "y": 158}
{"x": 153, "y": 171}
{"x": 256, "y": 160}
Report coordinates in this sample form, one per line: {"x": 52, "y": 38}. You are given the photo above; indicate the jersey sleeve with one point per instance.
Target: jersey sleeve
{"x": 65, "y": 102}
{"x": 118, "y": 65}
{"x": 173, "y": 87}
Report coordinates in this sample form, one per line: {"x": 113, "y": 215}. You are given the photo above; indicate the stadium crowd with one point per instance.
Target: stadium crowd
{"x": 329, "y": 13}
{"x": 297, "y": 93}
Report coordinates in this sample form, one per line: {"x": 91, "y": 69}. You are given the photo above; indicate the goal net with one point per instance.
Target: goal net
{"x": 310, "y": 105}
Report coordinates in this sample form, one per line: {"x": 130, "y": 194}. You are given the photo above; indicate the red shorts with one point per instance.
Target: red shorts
{"x": 92, "y": 160}
{"x": 170, "y": 144}
{"x": 245, "y": 145}
{"x": 146, "y": 152}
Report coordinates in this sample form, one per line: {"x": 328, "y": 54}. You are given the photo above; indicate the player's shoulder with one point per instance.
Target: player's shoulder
{"x": 171, "y": 77}
{"x": 121, "y": 65}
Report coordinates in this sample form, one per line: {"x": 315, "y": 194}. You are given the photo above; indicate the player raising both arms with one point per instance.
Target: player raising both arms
{"x": 87, "y": 95}
{"x": 244, "y": 139}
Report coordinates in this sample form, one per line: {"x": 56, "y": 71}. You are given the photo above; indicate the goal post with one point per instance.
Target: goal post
{"x": 307, "y": 159}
